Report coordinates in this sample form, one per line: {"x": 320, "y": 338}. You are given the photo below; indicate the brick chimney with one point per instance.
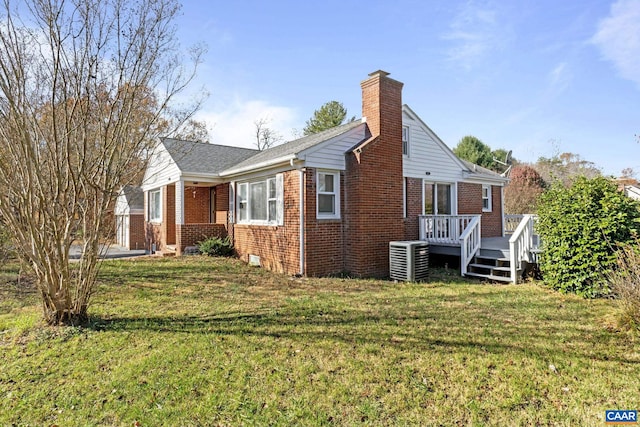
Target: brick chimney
{"x": 382, "y": 105}
{"x": 374, "y": 180}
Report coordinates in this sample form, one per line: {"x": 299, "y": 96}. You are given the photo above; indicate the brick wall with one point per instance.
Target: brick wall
{"x": 136, "y": 231}
{"x": 153, "y": 235}
{"x": 470, "y": 199}
{"x": 191, "y": 234}
{"x": 169, "y": 214}
{"x": 197, "y": 205}
{"x": 414, "y": 208}
{"x": 470, "y": 203}
{"x": 373, "y": 180}
{"x": 277, "y": 246}
{"x": 324, "y": 242}
{"x": 492, "y": 221}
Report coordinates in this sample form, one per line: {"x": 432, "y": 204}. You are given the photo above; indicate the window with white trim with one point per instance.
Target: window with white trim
{"x": 486, "y": 198}
{"x": 243, "y": 199}
{"x": 405, "y": 140}
{"x": 328, "y": 195}
{"x": 272, "y": 199}
{"x": 154, "y": 213}
{"x": 438, "y": 198}
{"x": 258, "y": 201}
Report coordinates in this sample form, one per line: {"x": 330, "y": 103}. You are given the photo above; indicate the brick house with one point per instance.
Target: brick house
{"x": 326, "y": 203}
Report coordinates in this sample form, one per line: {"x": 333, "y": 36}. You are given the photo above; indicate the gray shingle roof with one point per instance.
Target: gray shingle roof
{"x": 295, "y": 146}
{"x": 198, "y": 157}
{"x": 479, "y": 170}
{"x": 134, "y": 196}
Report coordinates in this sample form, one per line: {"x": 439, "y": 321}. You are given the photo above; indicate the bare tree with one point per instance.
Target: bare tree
{"x": 84, "y": 89}
{"x": 192, "y": 130}
{"x": 265, "y": 136}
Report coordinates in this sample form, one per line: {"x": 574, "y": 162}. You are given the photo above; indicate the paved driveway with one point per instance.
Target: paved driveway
{"x": 113, "y": 251}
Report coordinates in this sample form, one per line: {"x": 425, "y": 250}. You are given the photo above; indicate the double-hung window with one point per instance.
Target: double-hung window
{"x": 155, "y": 206}
{"x": 328, "y": 195}
{"x": 260, "y": 201}
{"x": 405, "y": 140}
{"x": 486, "y": 198}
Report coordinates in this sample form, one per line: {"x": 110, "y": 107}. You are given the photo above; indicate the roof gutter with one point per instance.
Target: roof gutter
{"x": 259, "y": 166}
{"x": 483, "y": 179}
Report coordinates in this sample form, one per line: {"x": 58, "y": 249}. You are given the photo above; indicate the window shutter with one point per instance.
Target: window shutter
{"x": 280, "y": 199}
{"x": 232, "y": 202}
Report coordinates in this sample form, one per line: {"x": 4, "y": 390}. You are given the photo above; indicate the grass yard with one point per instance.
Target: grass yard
{"x": 202, "y": 341}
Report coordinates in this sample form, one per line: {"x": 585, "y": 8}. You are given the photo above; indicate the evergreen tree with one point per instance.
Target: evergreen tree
{"x": 475, "y": 151}
{"x": 330, "y": 115}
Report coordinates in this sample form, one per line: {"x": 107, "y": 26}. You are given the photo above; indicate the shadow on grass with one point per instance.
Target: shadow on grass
{"x": 357, "y": 328}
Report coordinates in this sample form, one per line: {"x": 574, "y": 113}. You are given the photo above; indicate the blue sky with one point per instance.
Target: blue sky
{"x": 536, "y": 77}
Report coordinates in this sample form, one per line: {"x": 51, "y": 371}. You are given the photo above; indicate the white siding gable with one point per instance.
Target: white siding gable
{"x": 429, "y": 157}
{"x": 331, "y": 154}
{"x": 162, "y": 170}
{"x": 122, "y": 207}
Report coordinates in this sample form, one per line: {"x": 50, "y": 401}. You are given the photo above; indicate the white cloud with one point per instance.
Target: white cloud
{"x": 559, "y": 78}
{"x": 473, "y": 33}
{"x": 618, "y": 38}
{"x": 233, "y": 124}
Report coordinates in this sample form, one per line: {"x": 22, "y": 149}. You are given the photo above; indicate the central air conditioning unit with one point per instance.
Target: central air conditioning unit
{"x": 409, "y": 261}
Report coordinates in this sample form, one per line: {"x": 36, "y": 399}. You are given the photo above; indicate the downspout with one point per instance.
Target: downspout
{"x": 502, "y": 208}
{"x": 301, "y": 177}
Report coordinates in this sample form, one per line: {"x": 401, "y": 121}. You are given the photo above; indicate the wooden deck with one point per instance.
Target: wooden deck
{"x": 460, "y": 235}
{"x": 487, "y": 243}
{"x": 495, "y": 243}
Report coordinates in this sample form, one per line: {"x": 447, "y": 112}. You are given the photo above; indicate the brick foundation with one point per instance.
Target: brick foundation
{"x": 191, "y": 234}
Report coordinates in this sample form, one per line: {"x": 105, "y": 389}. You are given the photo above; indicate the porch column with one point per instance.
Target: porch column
{"x": 179, "y": 215}
{"x": 180, "y": 202}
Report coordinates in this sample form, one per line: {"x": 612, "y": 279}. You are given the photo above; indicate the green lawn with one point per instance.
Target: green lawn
{"x": 202, "y": 341}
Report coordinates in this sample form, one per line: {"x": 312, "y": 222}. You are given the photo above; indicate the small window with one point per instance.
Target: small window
{"x": 243, "y": 212}
{"x": 155, "y": 205}
{"x": 328, "y": 195}
{"x": 272, "y": 199}
{"x": 405, "y": 140}
{"x": 486, "y": 198}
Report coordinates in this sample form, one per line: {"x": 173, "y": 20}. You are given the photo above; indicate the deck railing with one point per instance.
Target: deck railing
{"x": 521, "y": 244}
{"x": 445, "y": 229}
{"x": 470, "y": 243}
{"x": 511, "y": 222}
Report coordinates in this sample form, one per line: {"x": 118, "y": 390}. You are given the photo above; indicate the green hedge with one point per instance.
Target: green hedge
{"x": 581, "y": 228}
{"x": 215, "y": 246}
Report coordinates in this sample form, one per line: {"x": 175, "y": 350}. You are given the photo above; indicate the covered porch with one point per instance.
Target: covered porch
{"x": 500, "y": 258}
{"x": 193, "y": 211}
